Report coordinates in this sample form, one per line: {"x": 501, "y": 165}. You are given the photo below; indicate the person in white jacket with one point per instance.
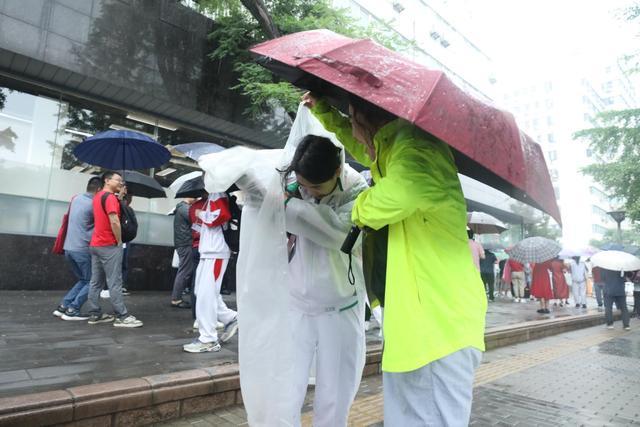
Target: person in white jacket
{"x": 327, "y": 311}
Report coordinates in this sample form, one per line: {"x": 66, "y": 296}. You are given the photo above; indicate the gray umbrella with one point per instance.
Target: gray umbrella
{"x": 534, "y": 249}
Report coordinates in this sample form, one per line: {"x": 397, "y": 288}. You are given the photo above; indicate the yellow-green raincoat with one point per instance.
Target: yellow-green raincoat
{"x": 435, "y": 301}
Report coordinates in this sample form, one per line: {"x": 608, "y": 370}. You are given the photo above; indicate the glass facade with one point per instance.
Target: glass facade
{"x": 41, "y": 174}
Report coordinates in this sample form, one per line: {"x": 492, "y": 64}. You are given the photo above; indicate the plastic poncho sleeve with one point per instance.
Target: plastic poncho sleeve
{"x": 318, "y": 223}
{"x": 414, "y": 179}
{"x": 335, "y": 122}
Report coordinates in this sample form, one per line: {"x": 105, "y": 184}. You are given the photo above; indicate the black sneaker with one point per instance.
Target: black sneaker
{"x": 94, "y": 319}
{"x": 125, "y": 292}
{"x": 584, "y": 305}
{"x": 577, "y": 305}
{"x": 58, "y": 312}
{"x": 72, "y": 314}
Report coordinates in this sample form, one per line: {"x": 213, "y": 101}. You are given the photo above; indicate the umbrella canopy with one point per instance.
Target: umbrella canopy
{"x": 194, "y": 150}
{"x": 192, "y": 188}
{"x": 616, "y": 260}
{"x": 534, "y": 249}
{"x": 175, "y": 185}
{"x": 483, "y": 223}
{"x": 487, "y": 143}
{"x": 586, "y": 251}
{"x": 122, "y": 149}
{"x": 141, "y": 185}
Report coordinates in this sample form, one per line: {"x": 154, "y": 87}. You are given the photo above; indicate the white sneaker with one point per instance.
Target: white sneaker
{"x": 523, "y": 300}
{"x": 517, "y": 300}
{"x": 230, "y": 330}
{"x": 197, "y": 346}
{"x": 127, "y": 322}
{"x": 104, "y": 293}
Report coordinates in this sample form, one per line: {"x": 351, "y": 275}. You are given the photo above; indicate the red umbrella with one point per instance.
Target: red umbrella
{"x": 487, "y": 143}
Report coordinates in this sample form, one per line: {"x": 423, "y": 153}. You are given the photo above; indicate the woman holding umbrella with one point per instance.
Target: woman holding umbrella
{"x": 433, "y": 343}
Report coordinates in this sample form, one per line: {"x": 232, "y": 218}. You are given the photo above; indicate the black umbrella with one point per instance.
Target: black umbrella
{"x": 141, "y": 185}
{"x": 192, "y": 188}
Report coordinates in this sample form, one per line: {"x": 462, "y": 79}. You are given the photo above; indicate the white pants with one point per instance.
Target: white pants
{"x": 438, "y": 394}
{"x": 579, "y": 290}
{"x": 209, "y": 304}
{"x": 337, "y": 340}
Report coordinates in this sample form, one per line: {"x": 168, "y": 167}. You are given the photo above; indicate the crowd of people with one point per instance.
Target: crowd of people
{"x": 553, "y": 281}
{"x": 433, "y": 344}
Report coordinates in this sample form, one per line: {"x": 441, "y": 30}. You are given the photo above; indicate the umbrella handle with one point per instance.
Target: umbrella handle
{"x": 356, "y": 71}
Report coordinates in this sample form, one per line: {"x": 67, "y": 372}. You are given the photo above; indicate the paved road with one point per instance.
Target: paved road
{"x": 40, "y": 352}
{"x": 588, "y": 377}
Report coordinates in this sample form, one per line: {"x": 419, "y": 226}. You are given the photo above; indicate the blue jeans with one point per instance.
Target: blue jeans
{"x": 80, "y": 263}
{"x": 598, "y": 289}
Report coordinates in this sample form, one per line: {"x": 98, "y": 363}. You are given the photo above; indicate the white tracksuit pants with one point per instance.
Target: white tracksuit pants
{"x": 337, "y": 340}
{"x": 209, "y": 304}
{"x": 579, "y": 290}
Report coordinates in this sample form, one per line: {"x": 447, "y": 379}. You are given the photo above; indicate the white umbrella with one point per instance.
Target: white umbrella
{"x": 175, "y": 185}
{"x": 483, "y": 223}
{"x": 616, "y": 260}
{"x": 534, "y": 249}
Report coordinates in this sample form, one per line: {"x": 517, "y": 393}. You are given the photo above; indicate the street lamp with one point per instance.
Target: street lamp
{"x": 618, "y": 217}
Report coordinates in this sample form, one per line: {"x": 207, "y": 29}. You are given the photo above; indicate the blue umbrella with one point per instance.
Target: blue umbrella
{"x": 122, "y": 149}
{"x": 194, "y": 150}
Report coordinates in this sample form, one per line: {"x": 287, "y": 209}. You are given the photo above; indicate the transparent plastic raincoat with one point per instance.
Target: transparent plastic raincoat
{"x": 266, "y": 289}
{"x": 434, "y": 298}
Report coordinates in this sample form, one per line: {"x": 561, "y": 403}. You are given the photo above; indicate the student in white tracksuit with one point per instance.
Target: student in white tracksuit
{"x": 327, "y": 312}
{"x": 579, "y": 275}
{"x": 208, "y": 217}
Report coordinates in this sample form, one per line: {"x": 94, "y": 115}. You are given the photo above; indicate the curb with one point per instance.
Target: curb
{"x": 157, "y": 398}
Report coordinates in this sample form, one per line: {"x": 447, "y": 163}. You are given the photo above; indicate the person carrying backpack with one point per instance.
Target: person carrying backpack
{"x": 113, "y": 226}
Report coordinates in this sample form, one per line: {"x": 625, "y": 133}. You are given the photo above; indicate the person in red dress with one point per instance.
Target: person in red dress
{"x": 541, "y": 285}
{"x": 560, "y": 286}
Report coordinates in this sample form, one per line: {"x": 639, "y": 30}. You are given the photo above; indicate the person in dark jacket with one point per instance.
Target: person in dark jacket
{"x": 487, "y": 272}
{"x": 614, "y": 292}
{"x": 182, "y": 240}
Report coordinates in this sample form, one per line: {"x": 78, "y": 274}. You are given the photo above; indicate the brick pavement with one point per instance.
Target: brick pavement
{"x": 587, "y": 377}
{"x": 79, "y": 354}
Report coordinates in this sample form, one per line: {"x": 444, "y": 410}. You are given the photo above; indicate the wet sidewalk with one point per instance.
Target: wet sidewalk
{"x": 587, "y": 377}
{"x": 40, "y": 352}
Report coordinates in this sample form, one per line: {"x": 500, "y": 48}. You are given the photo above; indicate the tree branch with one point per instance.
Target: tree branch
{"x": 259, "y": 11}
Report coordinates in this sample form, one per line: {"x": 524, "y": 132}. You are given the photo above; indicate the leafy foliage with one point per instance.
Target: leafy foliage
{"x": 628, "y": 237}
{"x": 236, "y": 30}
{"x": 615, "y": 139}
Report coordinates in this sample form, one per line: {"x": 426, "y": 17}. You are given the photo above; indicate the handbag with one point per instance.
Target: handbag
{"x": 58, "y": 245}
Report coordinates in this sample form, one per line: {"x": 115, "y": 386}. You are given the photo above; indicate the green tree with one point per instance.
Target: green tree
{"x": 243, "y": 23}
{"x": 541, "y": 226}
{"x": 615, "y": 140}
{"x": 629, "y": 238}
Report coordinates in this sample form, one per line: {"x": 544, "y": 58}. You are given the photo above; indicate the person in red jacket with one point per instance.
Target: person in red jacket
{"x": 208, "y": 216}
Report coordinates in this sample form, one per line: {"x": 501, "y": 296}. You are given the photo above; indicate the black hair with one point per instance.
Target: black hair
{"x": 108, "y": 174}
{"x": 470, "y": 233}
{"x": 316, "y": 159}
{"x": 94, "y": 184}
